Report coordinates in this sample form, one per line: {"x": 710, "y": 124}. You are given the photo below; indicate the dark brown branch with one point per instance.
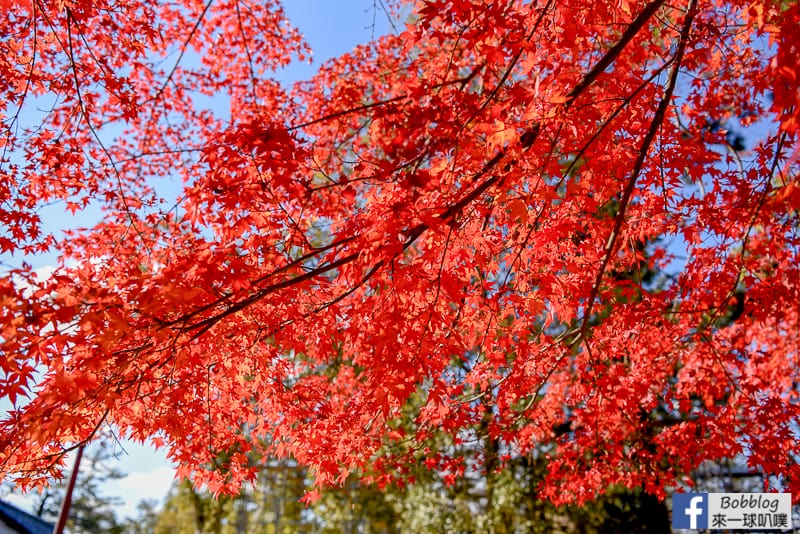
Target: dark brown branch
{"x": 619, "y": 219}
{"x": 626, "y": 102}
{"x": 413, "y": 234}
{"x": 184, "y": 47}
{"x": 226, "y": 298}
{"x": 615, "y": 50}
{"x": 351, "y": 290}
{"x": 364, "y": 107}
{"x": 526, "y": 140}
{"x": 205, "y": 324}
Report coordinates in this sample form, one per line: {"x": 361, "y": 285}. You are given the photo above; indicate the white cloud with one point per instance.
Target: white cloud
{"x": 136, "y": 487}
{"x": 149, "y": 475}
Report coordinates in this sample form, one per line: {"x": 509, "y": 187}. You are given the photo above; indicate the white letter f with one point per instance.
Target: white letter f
{"x": 693, "y": 511}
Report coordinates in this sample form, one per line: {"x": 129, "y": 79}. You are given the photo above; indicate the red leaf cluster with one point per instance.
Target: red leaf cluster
{"x": 444, "y": 231}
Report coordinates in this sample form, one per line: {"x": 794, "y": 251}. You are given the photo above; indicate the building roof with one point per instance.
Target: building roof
{"x": 22, "y": 521}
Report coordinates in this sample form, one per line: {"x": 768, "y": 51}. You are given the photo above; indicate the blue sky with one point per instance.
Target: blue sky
{"x": 331, "y": 27}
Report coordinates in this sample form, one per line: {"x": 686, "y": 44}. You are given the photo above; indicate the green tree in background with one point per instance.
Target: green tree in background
{"x": 428, "y": 505}
{"x": 272, "y": 505}
{"x": 188, "y": 511}
{"x": 149, "y": 512}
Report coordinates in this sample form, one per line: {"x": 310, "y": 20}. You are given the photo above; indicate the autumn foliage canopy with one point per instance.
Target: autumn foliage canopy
{"x": 529, "y": 222}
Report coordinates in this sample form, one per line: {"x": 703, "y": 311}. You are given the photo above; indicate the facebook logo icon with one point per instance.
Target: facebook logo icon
{"x": 690, "y": 510}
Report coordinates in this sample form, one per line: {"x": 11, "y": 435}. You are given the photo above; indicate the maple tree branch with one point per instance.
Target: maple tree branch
{"x": 763, "y": 197}
{"x": 253, "y": 78}
{"x": 533, "y": 226}
{"x": 609, "y": 57}
{"x": 226, "y": 298}
{"x": 718, "y": 309}
{"x": 184, "y": 47}
{"x": 14, "y": 122}
{"x": 501, "y": 81}
{"x": 379, "y": 103}
{"x": 85, "y": 114}
{"x": 722, "y": 308}
{"x": 350, "y": 290}
{"x": 515, "y": 59}
{"x": 731, "y": 380}
{"x": 414, "y": 233}
{"x": 205, "y": 324}
{"x": 54, "y": 458}
{"x": 435, "y": 299}
{"x": 453, "y": 54}
{"x": 526, "y": 140}
{"x": 386, "y": 13}
{"x": 655, "y": 125}
{"x": 349, "y": 111}
{"x": 150, "y": 153}
{"x": 623, "y": 105}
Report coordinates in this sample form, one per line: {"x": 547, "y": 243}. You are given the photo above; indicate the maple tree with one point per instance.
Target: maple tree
{"x": 435, "y": 223}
